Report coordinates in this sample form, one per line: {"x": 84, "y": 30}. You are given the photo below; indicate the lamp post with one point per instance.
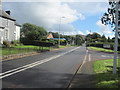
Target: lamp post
{"x": 59, "y": 30}
{"x": 116, "y": 39}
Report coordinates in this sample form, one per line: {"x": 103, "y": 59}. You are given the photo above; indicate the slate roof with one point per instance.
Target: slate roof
{"x": 5, "y": 15}
{"x": 17, "y": 24}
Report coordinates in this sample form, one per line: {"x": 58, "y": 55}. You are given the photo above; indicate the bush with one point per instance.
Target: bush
{"x": 36, "y": 43}
{"x": 21, "y": 44}
{"x": 7, "y": 44}
{"x": 100, "y": 45}
{"x": 16, "y": 43}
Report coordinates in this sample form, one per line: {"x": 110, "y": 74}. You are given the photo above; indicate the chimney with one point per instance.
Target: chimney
{"x": 8, "y": 12}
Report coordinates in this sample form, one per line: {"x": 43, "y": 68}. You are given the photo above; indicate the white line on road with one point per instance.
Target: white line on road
{"x": 14, "y": 71}
{"x": 84, "y": 59}
{"x": 89, "y": 57}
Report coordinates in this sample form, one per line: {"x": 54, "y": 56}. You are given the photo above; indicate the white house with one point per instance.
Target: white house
{"x": 9, "y": 28}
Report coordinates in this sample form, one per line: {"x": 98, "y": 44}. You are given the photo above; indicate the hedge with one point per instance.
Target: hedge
{"x": 37, "y": 43}
{"x": 100, "y": 45}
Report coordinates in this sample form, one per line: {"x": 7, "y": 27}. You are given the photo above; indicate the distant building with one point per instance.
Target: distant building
{"x": 58, "y": 38}
{"x": 50, "y": 36}
{"x": 9, "y": 28}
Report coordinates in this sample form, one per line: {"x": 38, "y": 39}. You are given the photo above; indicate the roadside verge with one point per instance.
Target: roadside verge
{"x": 104, "y": 75}
{"x": 14, "y": 56}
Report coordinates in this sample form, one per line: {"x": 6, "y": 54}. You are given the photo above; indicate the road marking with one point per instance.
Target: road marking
{"x": 84, "y": 59}
{"x": 89, "y": 57}
{"x": 14, "y": 71}
{"x": 79, "y": 68}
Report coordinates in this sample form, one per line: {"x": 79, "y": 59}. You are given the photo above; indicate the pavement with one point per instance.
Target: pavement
{"x": 85, "y": 77}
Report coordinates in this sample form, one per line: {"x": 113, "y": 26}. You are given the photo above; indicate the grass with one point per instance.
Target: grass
{"x": 102, "y": 49}
{"x": 104, "y": 76}
{"x": 8, "y": 51}
{"x": 24, "y": 49}
{"x": 61, "y": 46}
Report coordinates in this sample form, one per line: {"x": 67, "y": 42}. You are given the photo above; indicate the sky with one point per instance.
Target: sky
{"x": 70, "y": 17}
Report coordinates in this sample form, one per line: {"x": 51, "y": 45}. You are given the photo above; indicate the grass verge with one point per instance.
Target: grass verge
{"x": 24, "y": 49}
{"x": 10, "y": 51}
{"x": 102, "y": 49}
{"x": 104, "y": 76}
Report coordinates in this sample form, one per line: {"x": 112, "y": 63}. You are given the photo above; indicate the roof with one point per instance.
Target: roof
{"x": 1, "y": 27}
{"x": 58, "y": 38}
{"x": 17, "y": 24}
{"x": 5, "y": 15}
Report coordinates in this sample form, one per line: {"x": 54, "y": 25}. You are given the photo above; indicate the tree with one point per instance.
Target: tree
{"x": 33, "y": 32}
{"x": 104, "y": 39}
{"x": 55, "y": 35}
{"x": 109, "y": 40}
{"x": 111, "y": 18}
{"x": 78, "y": 40}
{"x": 93, "y": 37}
{"x": 96, "y": 36}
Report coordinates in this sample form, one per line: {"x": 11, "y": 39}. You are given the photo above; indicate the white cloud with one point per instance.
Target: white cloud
{"x": 45, "y": 14}
{"x": 70, "y": 33}
{"x": 81, "y": 17}
{"x": 90, "y": 8}
{"x": 111, "y": 36}
{"x": 87, "y": 32}
{"x": 79, "y": 32}
{"x": 104, "y": 29}
{"x": 55, "y": 0}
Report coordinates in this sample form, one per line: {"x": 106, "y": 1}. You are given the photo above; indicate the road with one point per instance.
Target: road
{"x": 52, "y": 69}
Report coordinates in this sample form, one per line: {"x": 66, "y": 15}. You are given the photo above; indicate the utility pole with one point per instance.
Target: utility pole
{"x": 59, "y": 30}
{"x": 116, "y": 40}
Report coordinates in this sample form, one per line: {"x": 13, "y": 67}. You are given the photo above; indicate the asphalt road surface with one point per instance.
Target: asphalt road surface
{"x": 46, "y": 70}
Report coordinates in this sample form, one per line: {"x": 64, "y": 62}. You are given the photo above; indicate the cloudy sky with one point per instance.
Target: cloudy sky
{"x": 76, "y": 17}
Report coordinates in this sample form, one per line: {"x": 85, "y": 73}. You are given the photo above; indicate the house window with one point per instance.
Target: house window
{"x": 6, "y": 34}
{"x": 6, "y": 22}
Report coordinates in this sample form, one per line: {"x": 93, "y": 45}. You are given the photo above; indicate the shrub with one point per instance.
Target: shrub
{"x": 7, "y": 44}
{"x": 21, "y": 44}
{"x": 16, "y": 42}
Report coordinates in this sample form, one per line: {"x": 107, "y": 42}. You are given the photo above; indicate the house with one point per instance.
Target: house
{"x": 50, "y": 36}
{"x": 9, "y": 28}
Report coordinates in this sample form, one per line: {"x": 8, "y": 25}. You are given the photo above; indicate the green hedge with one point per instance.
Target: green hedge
{"x": 37, "y": 43}
{"x": 100, "y": 45}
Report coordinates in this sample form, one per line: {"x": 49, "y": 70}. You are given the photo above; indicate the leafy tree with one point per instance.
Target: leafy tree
{"x": 104, "y": 39}
{"x": 109, "y": 40}
{"x": 33, "y": 32}
{"x": 88, "y": 38}
{"x": 55, "y": 35}
{"x": 93, "y": 37}
{"x": 96, "y": 35}
{"x": 109, "y": 16}
{"x": 79, "y": 40}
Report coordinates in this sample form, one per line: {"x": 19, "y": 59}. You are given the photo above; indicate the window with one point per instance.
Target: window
{"x": 6, "y": 22}
{"x": 6, "y": 34}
